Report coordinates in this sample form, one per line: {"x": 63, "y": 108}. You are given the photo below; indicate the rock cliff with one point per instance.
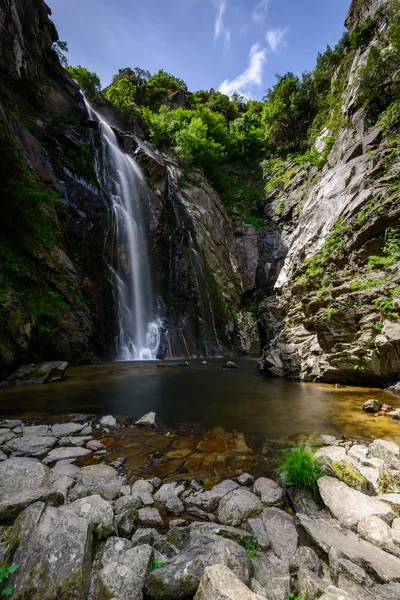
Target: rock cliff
{"x": 335, "y": 316}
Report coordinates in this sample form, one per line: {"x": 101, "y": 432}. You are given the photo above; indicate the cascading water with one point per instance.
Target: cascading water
{"x": 139, "y": 329}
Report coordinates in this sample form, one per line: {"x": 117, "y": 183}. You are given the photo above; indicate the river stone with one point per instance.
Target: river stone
{"x": 348, "y": 505}
{"x": 326, "y": 455}
{"x": 97, "y": 479}
{"x": 237, "y": 506}
{"x": 327, "y": 439}
{"x": 113, "y": 548}
{"x": 281, "y": 532}
{"x": 208, "y": 501}
{"x": 372, "y": 405}
{"x": 376, "y": 531}
{"x": 174, "y": 506}
{"x": 334, "y": 593}
{"x": 96, "y": 510}
{"x": 124, "y": 578}
{"x": 230, "y": 365}
{"x": 272, "y": 573}
{"x": 329, "y": 534}
{"x": 148, "y": 420}
{"x": 220, "y": 583}
{"x": 143, "y": 536}
{"x": 240, "y": 536}
{"x": 6, "y": 437}
{"x": 77, "y": 440}
{"x": 40, "y": 373}
{"x": 95, "y": 445}
{"x": 385, "y": 450}
{"x": 127, "y": 503}
{"x": 108, "y": 421}
{"x": 67, "y": 429}
{"x": 126, "y": 522}
{"x": 65, "y": 453}
{"x": 31, "y": 445}
{"x": 180, "y": 576}
{"x": 37, "y": 430}
{"x": 168, "y": 491}
{"x": 309, "y": 585}
{"x": 270, "y": 493}
{"x": 257, "y": 529}
{"x": 53, "y": 551}
{"x": 150, "y": 517}
{"x": 349, "y": 473}
{"x": 358, "y": 452}
{"x": 306, "y": 557}
{"x": 67, "y": 470}
{"x": 11, "y": 423}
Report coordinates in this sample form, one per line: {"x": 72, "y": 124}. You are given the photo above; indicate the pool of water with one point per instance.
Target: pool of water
{"x": 207, "y": 395}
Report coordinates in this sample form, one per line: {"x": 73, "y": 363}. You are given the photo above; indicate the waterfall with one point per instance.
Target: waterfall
{"x": 139, "y": 327}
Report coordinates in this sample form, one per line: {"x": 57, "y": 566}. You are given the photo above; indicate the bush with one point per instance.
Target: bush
{"x": 302, "y": 467}
{"x": 89, "y": 81}
{"x": 6, "y": 588}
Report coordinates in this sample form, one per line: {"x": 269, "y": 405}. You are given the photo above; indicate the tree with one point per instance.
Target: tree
{"x": 88, "y": 80}
{"x": 166, "y": 82}
{"x": 122, "y": 94}
{"x": 60, "y": 48}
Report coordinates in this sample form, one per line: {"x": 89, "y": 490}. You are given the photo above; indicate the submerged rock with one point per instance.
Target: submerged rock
{"x": 230, "y": 365}
{"x": 40, "y": 373}
{"x": 372, "y": 406}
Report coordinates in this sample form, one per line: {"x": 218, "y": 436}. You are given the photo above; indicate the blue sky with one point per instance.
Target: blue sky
{"x": 231, "y": 45}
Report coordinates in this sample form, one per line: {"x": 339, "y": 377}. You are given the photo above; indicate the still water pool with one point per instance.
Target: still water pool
{"x": 207, "y": 395}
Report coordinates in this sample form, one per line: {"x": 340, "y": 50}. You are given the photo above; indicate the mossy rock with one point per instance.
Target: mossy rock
{"x": 347, "y": 473}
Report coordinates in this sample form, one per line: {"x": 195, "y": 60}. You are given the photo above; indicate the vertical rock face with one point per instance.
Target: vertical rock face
{"x": 337, "y": 292}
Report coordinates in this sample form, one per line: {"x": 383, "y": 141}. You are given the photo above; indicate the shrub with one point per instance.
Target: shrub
{"x": 156, "y": 564}
{"x": 302, "y": 467}
{"x": 89, "y": 81}
{"x": 6, "y": 588}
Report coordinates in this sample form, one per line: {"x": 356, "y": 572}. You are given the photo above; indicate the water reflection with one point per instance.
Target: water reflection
{"x": 207, "y": 395}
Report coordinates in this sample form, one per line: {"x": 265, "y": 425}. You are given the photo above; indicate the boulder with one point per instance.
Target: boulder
{"x": 37, "y": 430}
{"x": 167, "y": 492}
{"x": 347, "y": 471}
{"x": 148, "y": 420}
{"x": 220, "y": 583}
{"x": 272, "y": 573}
{"x": 127, "y": 503}
{"x": 257, "y": 529}
{"x": 66, "y": 453}
{"x": 126, "y": 522}
{"x": 328, "y": 535}
{"x": 175, "y": 507}
{"x": 237, "y": 506}
{"x": 230, "y": 365}
{"x": 270, "y": 493}
{"x": 96, "y": 510}
{"x": 385, "y": 450}
{"x": 66, "y": 429}
{"x": 40, "y": 373}
{"x": 376, "y": 531}
{"x": 150, "y": 517}
{"x": 281, "y": 532}
{"x": 334, "y": 593}
{"x": 66, "y": 470}
{"x": 240, "y": 536}
{"x": 372, "y": 405}
{"x": 124, "y": 578}
{"x": 24, "y": 481}
{"x": 348, "y": 505}
{"x": 77, "y": 440}
{"x": 326, "y": 455}
{"x": 392, "y": 499}
{"x": 53, "y": 550}
{"x": 309, "y": 585}
{"x": 208, "y": 501}
{"x": 180, "y": 576}
{"x": 306, "y": 557}
{"x": 31, "y": 445}
{"x": 112, "y": 549}
{"x": 245, "y": 479}
{"x": 108, "y": 421}
{"x": 97, "y": 479}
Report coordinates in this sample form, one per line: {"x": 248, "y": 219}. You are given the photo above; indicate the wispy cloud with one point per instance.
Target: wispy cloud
{"x": 219, "y": 27}
{"x": 250, "y": 77}
{"x": 260, "y": 11}
{"x": 276, "y": 38}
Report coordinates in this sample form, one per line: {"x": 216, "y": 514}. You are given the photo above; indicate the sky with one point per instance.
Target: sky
{"x": 228, "y": 45}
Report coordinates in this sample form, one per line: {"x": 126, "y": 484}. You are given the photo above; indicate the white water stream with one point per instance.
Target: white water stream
{"x": 139, "y": 328}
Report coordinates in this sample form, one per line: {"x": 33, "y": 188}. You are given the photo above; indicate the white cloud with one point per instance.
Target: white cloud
{"x": 276, "y": 38}
{"x": 260, "y": 11}
{"x": 250, "y": 77}
{"x": 219, "y": 28}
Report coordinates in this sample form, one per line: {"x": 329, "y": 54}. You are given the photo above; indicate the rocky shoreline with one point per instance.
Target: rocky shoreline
{"x": 81, "y": 530}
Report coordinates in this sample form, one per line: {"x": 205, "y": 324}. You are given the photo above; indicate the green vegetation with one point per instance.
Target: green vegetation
{"x": 391, "y": 252}
{"x": 6, "y": 588}
{"x": 329, "y": 313}
{"x": 156, "y": 564}
{"x": 89, "y": 81}
{"x": 291, "y": 596}
{"x": 251, "y": 545}
{"x": 301, "y": 466}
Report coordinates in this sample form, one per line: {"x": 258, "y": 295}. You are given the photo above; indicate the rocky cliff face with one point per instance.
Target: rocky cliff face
{"x": 336, "y": 312}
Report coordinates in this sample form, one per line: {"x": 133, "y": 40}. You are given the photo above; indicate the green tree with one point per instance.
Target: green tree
{"x": 122, "y": 94}
{"x": 60, "y": 48}
{"x": 166, "y": 82}
{"x": 88, "y": 80}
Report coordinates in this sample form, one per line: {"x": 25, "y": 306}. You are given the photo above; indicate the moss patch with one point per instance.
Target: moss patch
{"x": 348, "y": 474}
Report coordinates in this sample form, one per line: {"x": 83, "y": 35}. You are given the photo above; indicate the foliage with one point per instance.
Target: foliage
{"x": 6, "y": 588}
{"x": 329, "y": 313}
{"x": 60, "y": 48}
{"x": 301, "y": 466}
{"x": 291, "y": 596}
{"x": 362, "y": 34}
{"x": 156, "y": 564}
{"x": 89, "y": 81}
{"x": 391, "y": 252}
{"x": 122, "y": 94}
{"x": 250, "y": 545}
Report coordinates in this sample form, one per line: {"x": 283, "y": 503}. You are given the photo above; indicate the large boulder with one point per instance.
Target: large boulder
{"x": 124, "y": 578}
{"x": 96, "y": 510}
{"x": 281, "y": 532}
{"x": 66, "y": 454}
{"x": 376, "y": 531}
{"x": 385, "y": 450}
{"x": 31, "y": 445}
{"x": 41, "y": 373}
{"x": 329, "y": 535}
{"x": 97, "y": 479}
{"x": 237, "y": 506}
{"x": 220, "y": 583}
{"x": 272, "y": 573}
{"x": 24, "y": 481}
{"x": 180, "y": 576}
{"x": 53, "y": 551}
{"x": 348, "y": 505}
{"x": 270, "y": 493}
